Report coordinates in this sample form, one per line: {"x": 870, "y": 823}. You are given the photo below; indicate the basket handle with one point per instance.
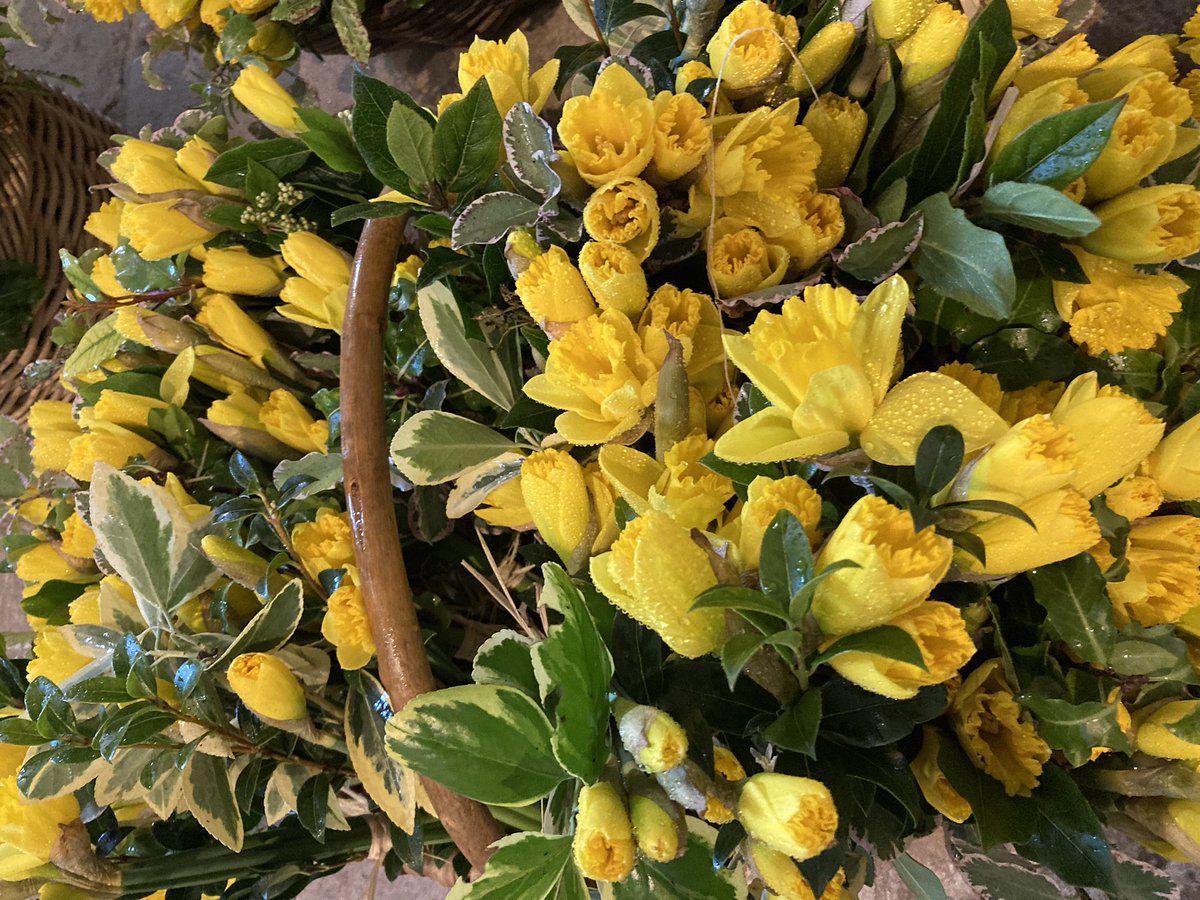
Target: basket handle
{"x": 387, "y": 595}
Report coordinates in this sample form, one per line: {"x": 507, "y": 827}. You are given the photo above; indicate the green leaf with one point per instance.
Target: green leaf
{"x": 271, "y": 627}
{"x": 1021, "y": 357}
{"x": 881, "y": 252}
{"x": 939, "y": 457}
{"x": 471, "y": 360}
{"x": 691, "y": 877}
{"x": 528, "y": 865}
{"x": 491, "y": 217}
{"x": 466, "y": 141}
{"x": 373, "y": 102}
{"x": 1039, "y": 208}
{"x": 16, "y": 460}
{"x": 58, "y": 772}
{"x": 725, "y": 596}
{"x": 803, "y": 600}
{"x": 208, "y": 792}
{"x": 1058, "y": 149}
{"x": 23, "y": 732}
{"x": 410, "y": 141}
{"x": 737, "y": 651}
{"x": 573, "y": 665}
{"x": 1153, "y": 652}
{"x": 1067, "y": 837}
{"x": 98, "y": 344}
{"x": 433, "y": 447}
{"x": 20, "y": 289}
{"x": 312, "y": 805}
{"x": 133, "y": 723}
{"x": 347, "y": 21}
{"x": 852, "y": 715}
{"x": 573, "y": 59}
{"x": 383, "y": 209}
{"x": 327, "y": 136}
{"x": 1009, "y": 881}
{"x": 529, "y": 149}
{"x": 1076, "y": 601}
{"x": 1077, "y": 728}
{"x": 140, "y": 276}
{"x": 282, "y": 156}
{"x": 319, "y": 471}
{"x": 487, "y": 742}
{"x": 884, "y": 640}
{"x": 796, "y": 729}
{"x": 101, "y": 689}
{"x": 921, "y": 880}
{"x": 1001, "y": 819}
{"x": 963, "y": 261}
{"x": 786, "y": 560}
{"x": 1187, "y": 728}
{"x": 506, "y": 658}
{"x": 149, "y": 541}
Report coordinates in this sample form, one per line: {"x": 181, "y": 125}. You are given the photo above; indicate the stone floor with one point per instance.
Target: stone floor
{"x": 104, "y": 62}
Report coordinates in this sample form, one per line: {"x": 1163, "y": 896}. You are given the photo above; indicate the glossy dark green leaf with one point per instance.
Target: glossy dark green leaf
{"x": 786, "y": 560}
{"x": 1068, "y": 837}
{"x": 282, "y": 156}
{"x": 1058, "y": 149}
{"x": 921, "y": 880}
{"x": 410, "y": 141}
{"x": 328, "y": 137}
{"x": 1001, "y": 819}
{"x": 860, "y": 718}
{"x": 884, "y": 640}
{"x": 740, "y": 598}
{"x": 1077, "y": 728}
{"x": 796, "y": 728}
{"x": 1022, "y": 357}
{"x": 881, "y": 252}
{"x": 1038, "y": 207}
{"x": 962, "y": 261}
{"x": 737, "y": 651}
{"x": 466, "y": 141}
{"x": 1075, "y": 598}
{"x": 939, "y": 457}
{"x": 373, "y": 102}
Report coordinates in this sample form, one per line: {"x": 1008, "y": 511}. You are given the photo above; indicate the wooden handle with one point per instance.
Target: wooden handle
{"x": 403, "y": 664}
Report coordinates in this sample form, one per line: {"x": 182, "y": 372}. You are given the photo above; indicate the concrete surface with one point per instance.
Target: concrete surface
{"x": 104, "y": 59}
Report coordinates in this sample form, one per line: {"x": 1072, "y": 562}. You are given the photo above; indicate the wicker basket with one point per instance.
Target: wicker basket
{"x": 447, "y": 23}
{"x": 48, "y": 150}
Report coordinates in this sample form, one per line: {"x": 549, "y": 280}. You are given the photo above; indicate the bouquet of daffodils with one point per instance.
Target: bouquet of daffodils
{"x": 797, "y": 449}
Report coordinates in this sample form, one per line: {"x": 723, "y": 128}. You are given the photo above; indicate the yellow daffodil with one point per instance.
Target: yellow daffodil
{"x": 615, "y": 277}
{"x": 939, "y": 632}
{"x": 751, "y": 47}
{"x": 778, "y": 872}
{"x": 126, "y": 410}
{"x": 1148, "y": 225}
{"x": 505, "y": 67}
{"x": 346, "y": 625}
{"x": 1119, "y": 308}
{"x": 1036, "y": 17}
{"x": 52, "y": 426}
{"x": 151, "y": 169}
{"x": 894, "y": 20}
{"x": 234, "y": 270}
{"x": 997, "y": 737}
{"x": 1134, "y": 496}
{"x": 740, "y": 260}
{"x": 108, "y": 443}
{"x": 680, "y": 486}
{"x": 157, "y": 230}
{"x": 229, "y": 324}
{"x": 933, "y": 46}
{"x": 1163, "y": 581}
{"x": 824, "y": 362}
{"x": 54, "y": 657}
{"x": 838, "y": 125}
{"x": 603, "y": 844}
{"x": 1174, "y": 464}
{"x": 288, "y": 421}
{"x": 610, "y": 132}
{"x": 897, "y": 567}
{"x": 324, "y": 543}
{"x": 1039, "y": 103}
{"x": 1030, "y": 401}
{"x": 505, "y": 507}
{"x": 1113, "y": 432}
{"x": 1070, "y": 59}
{"x": 655, "y": 740}
{"x": 599, "y": 375}
{"x": 556, "y": 494}
{"x": 105, "y": 223}
{"x": 165, "y": 13}
{"x": 553, "y": 291}
{"x": 766, "y": 498}
{"x": 267, "y": 686}
{"x": 266, "y": 100}
{"x": 934, "y": 785}
{"x": 792, "y": 815}
{"x": 624, "y": 211}
{"x": 692, "y": 319}
{"x": 1153, "y": 737}
{"x": 78, "y": 539}
{"x": 682, "y": 135}
{"x": 317, "y": 295}
{"x": 1064, "y": 527}
{"x": 104, "y": 276}
{"x": 726, "y": 765}
{"x": 819, "y": 59}
{"x": 654, "y": 573}
{"x": 1033, "y": 457}
{"x": 195, "y": 158}
{"x": 109, "y": 10}
{"x": 30, "y": 829}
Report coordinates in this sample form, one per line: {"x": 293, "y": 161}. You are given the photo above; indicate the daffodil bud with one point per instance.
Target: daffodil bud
{"x": 228, "y": 323}
{"x": 53, "y": 426}
{"x": 819, "y": 59}
{"x": 838, "y": 124}
{"x": 654, "y": 572}
{"x": 740, "y": 260}
{"x": 609, "y": 133}
{"x": 614, "y": 276}
{"x": 234, "y": 270}
{"x": 267, "y": 686}
{"x": 778, "y": 872}
{"x": 1036, "y": 17}
{"x": 151, "y": 169}
{"x": 520, "y": 249}
{"x": 1175, "y": 462}
{"x": 750, "y": 49}
{"x": 895, "y": 20}
{"x": 556, "y": 495}
{"x": 682, "y": 135}
{"x": 793, "y": 815}
{"x": 655, "y": 740}
{"x": 218, "y": 364}
{"x": 262, "y": 95}
{"x": 933, "y": 46}
{"x": 603, "y": 844}
{"x": 659, "y": 825}
{"x": 1148, "y": 225}
{"x": 766, "y": 498}
{"x": 315, "y": 259}
{"x": 126, "y": 410}
{"x": 157, "y": 230}
{"x": 932, "y": 781}
{"x": 1039, "y": 103}
{"x": 238, "y": 564}
{"x": 505, "y": 67}
{"x": 195, "y": 158}
{"x": 271, "y": 39}
{"x": 897, "y": 567}
{"x": 624, "y": 211}
{"x": 553, "y": 292}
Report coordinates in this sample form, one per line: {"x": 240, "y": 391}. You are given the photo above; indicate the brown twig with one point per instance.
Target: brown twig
{"x": 387, "y": 595}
